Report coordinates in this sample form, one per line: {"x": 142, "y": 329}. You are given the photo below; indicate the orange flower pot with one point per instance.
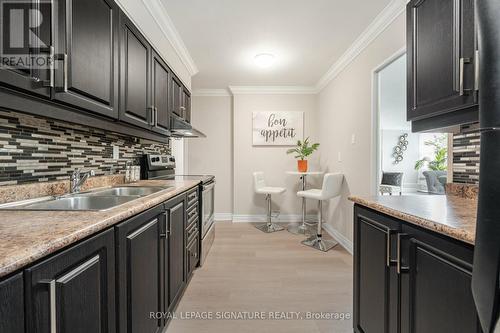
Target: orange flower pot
{"x": 302, "y": 165}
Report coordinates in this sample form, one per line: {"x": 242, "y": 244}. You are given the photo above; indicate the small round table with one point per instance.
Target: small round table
{"x": 302, "y": 228}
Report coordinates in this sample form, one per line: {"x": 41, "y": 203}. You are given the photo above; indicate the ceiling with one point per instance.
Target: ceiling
{"x": 306, "y": 37}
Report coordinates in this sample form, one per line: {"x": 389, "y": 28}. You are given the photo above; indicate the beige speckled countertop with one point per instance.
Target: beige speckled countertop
{"x": 449, "y": 215}
{"x": 26, "y": 236}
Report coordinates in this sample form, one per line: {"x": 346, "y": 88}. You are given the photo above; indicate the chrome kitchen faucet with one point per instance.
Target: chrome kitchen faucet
{"x": 78, "y": 178}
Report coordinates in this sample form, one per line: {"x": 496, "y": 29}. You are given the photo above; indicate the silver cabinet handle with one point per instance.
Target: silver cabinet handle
{"x": 151, "y": 110}
{"x": 65, "y": 77}
{"x": 400, "y": 269}
{"x": 461, "y": 77}
{"x": 389, "y": 261}
{"x": 476, "y": 71}
{"x": 167, "y": 226}
{"x": 461, "y": 64}
{"x": 64, "y": 58}
{"x": 156, "y": 116}
{"x": 50, "y": 82}
{"x": 52, "y": 305}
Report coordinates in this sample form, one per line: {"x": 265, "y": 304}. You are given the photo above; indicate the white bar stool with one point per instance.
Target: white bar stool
{"x": 261, "y": 188}
{"x": 332, "y": 184}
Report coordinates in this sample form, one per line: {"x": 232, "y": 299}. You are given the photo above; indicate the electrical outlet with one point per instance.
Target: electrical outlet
{"x": 353, "y": 139}
{"x": 116, "y": 152}
{"x": 339, "y": 157}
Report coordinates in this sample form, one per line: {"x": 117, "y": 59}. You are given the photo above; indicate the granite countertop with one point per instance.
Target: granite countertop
{"x": 449, "y": 215}
{"x": 26, "y": 236}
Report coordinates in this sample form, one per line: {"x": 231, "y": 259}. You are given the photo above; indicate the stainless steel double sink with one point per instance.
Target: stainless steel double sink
{"x": 95, "y": 200}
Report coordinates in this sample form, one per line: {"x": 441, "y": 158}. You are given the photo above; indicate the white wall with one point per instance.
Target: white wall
{"x": 389, "y": 139}
{"x": 214, "y": 154}
{"x": 392, "y": 123}
{"x": 345, "y": 108}
{"x": 392, "y": 96}
{"x": 272, "y": 160}
{"x": 227, "y": 152}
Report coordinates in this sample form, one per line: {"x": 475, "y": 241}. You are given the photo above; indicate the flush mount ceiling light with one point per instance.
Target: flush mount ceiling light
{"x": 264, "y": 60}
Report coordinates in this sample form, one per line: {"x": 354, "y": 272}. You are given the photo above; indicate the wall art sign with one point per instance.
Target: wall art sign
{"x": 277, "y": 128}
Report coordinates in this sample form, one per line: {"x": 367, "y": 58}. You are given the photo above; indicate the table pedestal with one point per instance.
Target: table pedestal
{"x": 302, "y": 228}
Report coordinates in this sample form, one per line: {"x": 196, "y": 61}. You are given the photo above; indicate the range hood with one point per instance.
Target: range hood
{"x": 179, "y": 128}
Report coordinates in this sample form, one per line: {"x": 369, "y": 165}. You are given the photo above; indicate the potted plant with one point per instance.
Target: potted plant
{"x": 303, "y": 150}
{"x": 439, "y": 163}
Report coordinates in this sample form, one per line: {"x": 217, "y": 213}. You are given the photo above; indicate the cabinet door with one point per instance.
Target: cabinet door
{"x": 176, "y": 91}
{"x": 175, "y": 248}
{"x": 135, "y": 87}
{"x": 441, "y": 44}
{"x": 12, "y": 304}
{"x": 375, "y": 277}
{"x": 74, "y": 291}
{"x": 87, "y": 49}
{"x": 161, "y": 96}
{"x": 186, "y": 104}
{"x": 139, "y": 272}
{"x": 31, "y": 78}
{"x": 436, "y": 294}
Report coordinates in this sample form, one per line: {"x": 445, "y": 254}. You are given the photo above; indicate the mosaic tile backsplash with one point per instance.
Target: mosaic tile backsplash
{"x": 34, "y": 149}
{"x": 466, "y": 147}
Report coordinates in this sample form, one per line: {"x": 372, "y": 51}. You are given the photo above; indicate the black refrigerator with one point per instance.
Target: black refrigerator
{"x": 485, "y": 277}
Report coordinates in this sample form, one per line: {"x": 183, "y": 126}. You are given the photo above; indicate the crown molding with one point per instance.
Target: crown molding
{"x": 161, "y": 17}
{"x": 273, "y": 90}
{"x": 211, "y": 93}
{"x": 378, "y": 25}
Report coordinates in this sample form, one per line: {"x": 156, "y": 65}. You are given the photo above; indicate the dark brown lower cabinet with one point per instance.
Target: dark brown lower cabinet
{"x": 139, "y": 272}
{"x": 74, "y": 291}
{"x": 175, "y": 278}
{"x": 375, "y": 277}
{"x": 83, "y": 289}
{"x": 12, "y": 304}
{"x": 410, "y": 280}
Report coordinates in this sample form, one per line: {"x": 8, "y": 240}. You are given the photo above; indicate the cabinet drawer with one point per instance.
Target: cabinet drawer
{"x": 192, "y": 214}
{"x": 192, "y": 198}
{"x": 192, "y": 231}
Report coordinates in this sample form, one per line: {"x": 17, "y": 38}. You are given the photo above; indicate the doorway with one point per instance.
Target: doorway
{"x": 421, "y": 158}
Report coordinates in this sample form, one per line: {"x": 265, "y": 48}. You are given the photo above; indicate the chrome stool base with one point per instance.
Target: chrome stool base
{"x": 299, "y": 229}
{"x": 269, "y": 227}
{"x": 319, "y": 243}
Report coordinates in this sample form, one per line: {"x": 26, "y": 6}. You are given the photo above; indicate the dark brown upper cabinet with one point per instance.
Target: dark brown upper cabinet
{"x": 441, "y": 63}
{"x": 104, "y": 72}
{"x": 186, "y": 104}
{"x": 86, "y": 66}
{"x": 135, "y": 106}
{"x": 176, "y": 93}
{"x": 160, "y": 94}
{"x": 31, "y": 79}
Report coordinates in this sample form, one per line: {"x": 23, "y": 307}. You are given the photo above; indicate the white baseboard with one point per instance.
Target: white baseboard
{"x": 346, "y": 243}
{"x": 223, "y": 217}
{"x": 240, "y": 218}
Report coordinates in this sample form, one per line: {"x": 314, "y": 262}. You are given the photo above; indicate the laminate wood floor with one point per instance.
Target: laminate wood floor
{"x": 273, "y": 275}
